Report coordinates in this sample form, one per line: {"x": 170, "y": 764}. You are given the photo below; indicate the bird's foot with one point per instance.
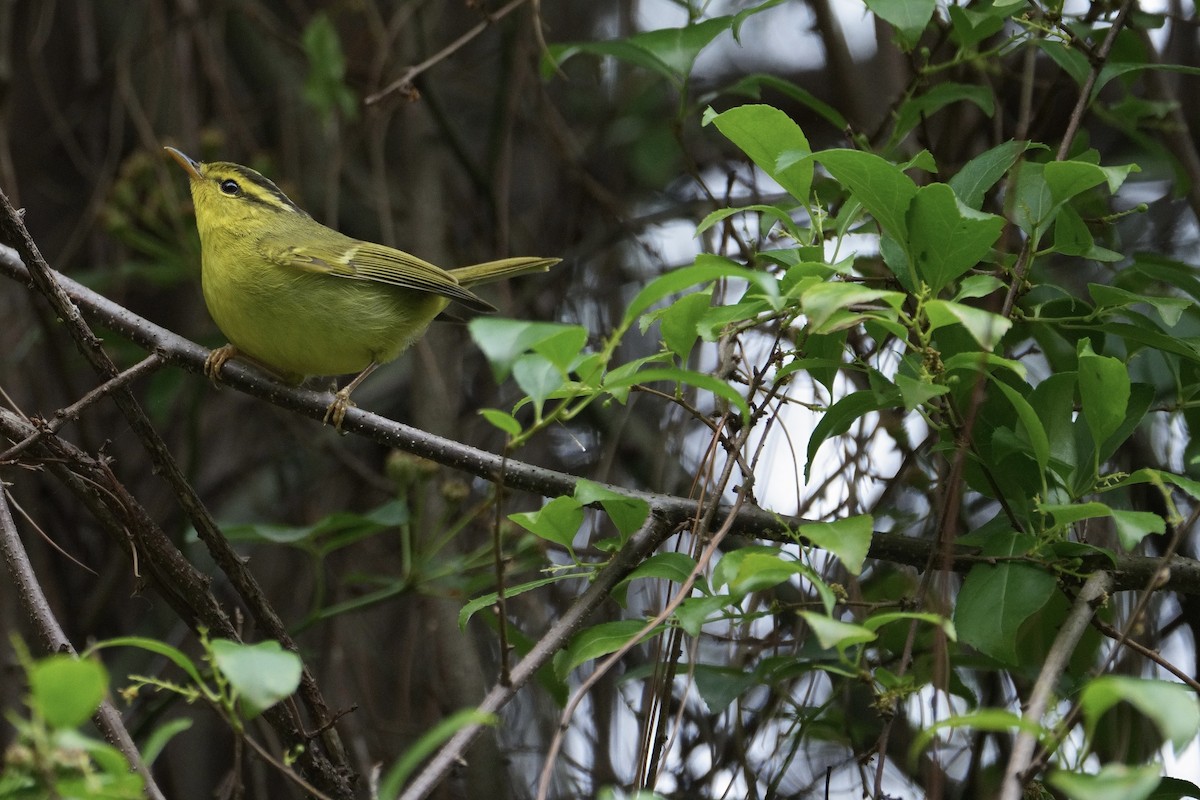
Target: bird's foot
{"x": 338, "y": 408}
{"x": 216, "y": 359}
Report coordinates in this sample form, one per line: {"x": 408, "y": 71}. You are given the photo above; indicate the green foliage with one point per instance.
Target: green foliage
{"x": 48, "y": 756}
{"x": 1031, "y": 380}
{"x": 325, "y": 86}
{"x": 244, "y": 681}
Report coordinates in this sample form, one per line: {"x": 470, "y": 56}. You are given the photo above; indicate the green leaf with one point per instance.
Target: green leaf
{"x": 980, "y": 361}
{"x": 1068, "y": 178}
{"x": 821, "y": 301}
{"x": 908, "y": 17}
{"x": 1031, "y": 423}
{"x": 1104, "y": 390}
{"x": 985, "y": 170}
{"x": 916, "y": 392}
{"x": 1069, "y": 59}
{"x": 678, "y": 323}
{"x": 1071, "y": 234}
{"x": 174, "y": 655}
{"x": 563, "y": 348}
{"x": 764, "y": 133}
{"x": 1175, "y": 789}
{"x": 558, "y": 521}
{"x": 160, "y": 737}
{"x": 972, "y": 26}
{"x": 670, "y": 52}
{"x": 832, "y": 633}
{"x": 693, "y": 612}
{"x": 66, "y": 690}
{"x": 627, "y": 513}
{"x": 677, "y": 48}
{"x": 995, "y": 601}
{"x": 946, "y": 237}
{"x": 1152, "y": 339}
{"x": 488, "y": 600}
{"x": 668, "y": 566}
{"x": 757, "y": 571}
{"x": 707, "y": 268}
{"x": 1034, "y": 206}
{"x": 780, "y": 215}
{"x": 325, "y": 86}
{"x": 928, "y": 103}
{"x": 262, "y": 674}
{"x": 882, "y": 188}
{"x": 1070, "y": 513}
{"x": 840, "y": 416}
{"x": 538, "y": 377}
{"x": 680, "y": 376}
{"x": 1133, "y": 526}
{"x": 977, "y": 286}
{"x": 877, "y": 621}
{"x": 1112, "y": 782}
{"x": 1172, "y": 707}
{"x": 1169, "y": 309}
{"x": 848, "y": 539}
{"x": 501, "y": 419}
{"x": 986, "y": 328}
{"x": 720, "y": 686}
{"x": 597, "y": 641}
{"x": 503, "y": 341}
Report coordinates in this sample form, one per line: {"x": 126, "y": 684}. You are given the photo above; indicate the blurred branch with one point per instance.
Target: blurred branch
{"x": 1131, "y": 572}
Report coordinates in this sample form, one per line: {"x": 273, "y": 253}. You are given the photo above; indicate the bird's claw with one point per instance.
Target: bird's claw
{"x": 336, "y": 412}
{"x": 216, "y": 360}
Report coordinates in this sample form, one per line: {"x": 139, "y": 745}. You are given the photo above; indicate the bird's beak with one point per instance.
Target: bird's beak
{"x": 191, "y": 167}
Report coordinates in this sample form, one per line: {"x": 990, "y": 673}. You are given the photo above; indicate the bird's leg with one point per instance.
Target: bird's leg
{"x": 341, "y": 400}
{"x": 216, "y": 359}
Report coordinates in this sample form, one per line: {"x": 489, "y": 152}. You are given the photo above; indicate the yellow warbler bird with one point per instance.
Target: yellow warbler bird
{"x": 301, "y": 299}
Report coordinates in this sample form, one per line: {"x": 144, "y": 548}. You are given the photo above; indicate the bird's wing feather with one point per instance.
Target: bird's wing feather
{"x": 357, "y": 260}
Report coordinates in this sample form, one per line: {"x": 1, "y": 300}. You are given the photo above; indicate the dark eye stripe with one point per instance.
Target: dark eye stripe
{"x": 265, "y": 187}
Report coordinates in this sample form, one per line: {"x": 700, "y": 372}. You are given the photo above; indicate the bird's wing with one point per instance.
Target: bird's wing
{"x": 365, "y": 261}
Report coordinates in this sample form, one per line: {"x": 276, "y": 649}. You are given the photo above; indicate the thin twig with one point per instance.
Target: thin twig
{"x": 71, "y": 412}
{"x": 1146, "y": 652}
{"x": 404, "y": 82}
{"x": 1131, "y": 571}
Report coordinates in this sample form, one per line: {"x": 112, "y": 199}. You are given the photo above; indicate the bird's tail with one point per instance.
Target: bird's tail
{"x": 499, "y": 270}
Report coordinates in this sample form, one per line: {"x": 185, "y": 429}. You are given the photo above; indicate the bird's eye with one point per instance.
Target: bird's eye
{"x": 230, "y": 187}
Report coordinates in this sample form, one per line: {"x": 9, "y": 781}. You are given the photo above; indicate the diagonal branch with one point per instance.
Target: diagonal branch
{"x": 1093, "y": 593}
{"x": 1130, "y": 572}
